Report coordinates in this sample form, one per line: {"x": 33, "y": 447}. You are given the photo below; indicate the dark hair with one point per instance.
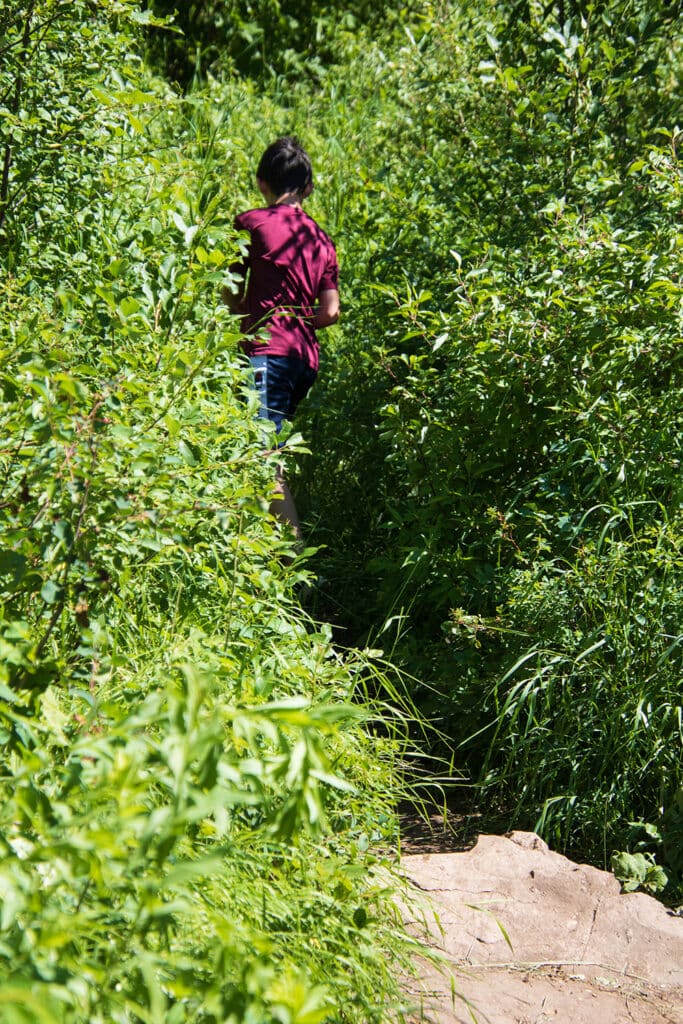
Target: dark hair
{"x": 286, "y": 167}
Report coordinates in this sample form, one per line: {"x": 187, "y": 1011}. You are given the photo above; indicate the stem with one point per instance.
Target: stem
{"x": 71, "y": 554}
{"x": 18, "y": 85}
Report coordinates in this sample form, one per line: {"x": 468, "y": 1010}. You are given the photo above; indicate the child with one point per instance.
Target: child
{"x": 288, "y": 292}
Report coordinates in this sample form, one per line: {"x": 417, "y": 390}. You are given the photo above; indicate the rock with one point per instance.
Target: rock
{"x": 532, "y": 937}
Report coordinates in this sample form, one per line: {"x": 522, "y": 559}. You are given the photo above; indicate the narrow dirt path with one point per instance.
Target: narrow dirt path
{"x": 530, "y": 937}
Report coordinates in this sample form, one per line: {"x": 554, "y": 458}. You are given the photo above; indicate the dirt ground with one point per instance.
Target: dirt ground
{"x": 530, "y": 937}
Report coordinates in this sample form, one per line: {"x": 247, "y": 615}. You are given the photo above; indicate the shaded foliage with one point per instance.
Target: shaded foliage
{"x": 509, "y": 383}
{"x": 262, "y": 38}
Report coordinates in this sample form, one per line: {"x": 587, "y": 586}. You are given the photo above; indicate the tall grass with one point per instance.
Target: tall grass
{"x": 584, "y": 729}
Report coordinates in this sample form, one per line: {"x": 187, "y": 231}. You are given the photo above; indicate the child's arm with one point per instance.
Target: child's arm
{"x": 327, "y": 311}
{"x": 233, "y": 296}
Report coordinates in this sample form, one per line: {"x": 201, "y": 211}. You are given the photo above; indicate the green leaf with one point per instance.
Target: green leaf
{"x": 51, "y": 592}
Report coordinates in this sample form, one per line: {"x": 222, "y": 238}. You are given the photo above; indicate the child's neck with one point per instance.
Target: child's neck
{"x": 289, "y": 199}
{"x": 285, "y": 199}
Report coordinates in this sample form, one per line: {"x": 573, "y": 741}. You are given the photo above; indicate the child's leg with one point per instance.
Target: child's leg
{"x": 281, "y": 383}
{"x": 283, "y": 506}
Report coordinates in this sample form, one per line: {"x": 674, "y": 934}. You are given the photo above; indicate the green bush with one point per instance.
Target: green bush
{"x": 503, "y": 400}
{"x": 198, "y": 802}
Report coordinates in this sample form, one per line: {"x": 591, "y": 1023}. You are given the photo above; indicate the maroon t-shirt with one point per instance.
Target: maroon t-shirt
{"x": 291, "y": 260}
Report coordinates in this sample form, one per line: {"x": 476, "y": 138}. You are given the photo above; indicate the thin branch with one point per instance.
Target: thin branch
{"x": 7, "y": 158}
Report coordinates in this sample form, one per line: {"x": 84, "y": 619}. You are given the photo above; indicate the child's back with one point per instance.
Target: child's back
{"x": 291, "y": 262}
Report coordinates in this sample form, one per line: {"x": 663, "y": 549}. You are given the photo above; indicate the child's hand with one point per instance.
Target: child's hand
{"x": 234, "y": 300}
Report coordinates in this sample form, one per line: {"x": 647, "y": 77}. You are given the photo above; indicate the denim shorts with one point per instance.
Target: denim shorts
{"x": 280, "y": 382}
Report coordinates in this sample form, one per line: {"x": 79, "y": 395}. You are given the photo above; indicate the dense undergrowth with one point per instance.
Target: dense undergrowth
{"x": 496, "y": 468}
{"x": 198, "y": 784}
{"x": 198, "y": 813}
